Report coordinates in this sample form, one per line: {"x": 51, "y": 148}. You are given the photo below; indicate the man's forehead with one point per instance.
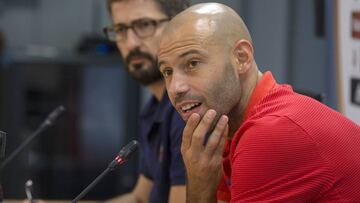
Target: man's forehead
{"x": 176, "y": 48}
{"x": 135, "y": 1}
{"x": 197, "y": 32}
{"x": 130, "y": 10}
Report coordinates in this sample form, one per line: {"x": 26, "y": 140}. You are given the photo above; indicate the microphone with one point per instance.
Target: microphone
{"x": 29, "y": 191}
{"x": 43, "y": 126}
{"x": 124, "y": 154}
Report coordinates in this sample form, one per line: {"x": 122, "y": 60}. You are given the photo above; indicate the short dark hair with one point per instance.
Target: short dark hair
{"x": 170, "y": 7}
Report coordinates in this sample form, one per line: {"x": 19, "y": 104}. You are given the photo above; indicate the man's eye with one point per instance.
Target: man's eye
{"x": 193, "y": 63}
{"x": 120, "y": 29}
{"x": 142, "y": 25}
{"x": 166, "y": 73}
{"x": 145, "y": 23}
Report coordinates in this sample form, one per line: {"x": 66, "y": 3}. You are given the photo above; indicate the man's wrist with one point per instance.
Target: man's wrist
{"x": 200, "y": 196}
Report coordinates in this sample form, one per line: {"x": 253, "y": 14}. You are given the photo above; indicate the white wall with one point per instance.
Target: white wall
{"x": 53, "y": 23}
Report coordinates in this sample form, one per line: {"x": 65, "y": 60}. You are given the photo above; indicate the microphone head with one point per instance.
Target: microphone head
{"x": 28, "y": 183}
{"x": 53, "y": 116}
{"x": 56, "y": 113}
{"x": 122, "y": 156}
{"x": 126, "y": 152}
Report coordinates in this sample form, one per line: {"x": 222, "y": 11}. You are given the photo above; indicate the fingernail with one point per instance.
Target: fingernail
{"x": 211, "y": 113}
{"x": 194, "y": 116}
{"x": 223, "y": 120}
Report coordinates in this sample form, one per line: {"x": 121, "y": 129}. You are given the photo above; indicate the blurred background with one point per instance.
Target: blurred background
{"x": 53, "y": 53}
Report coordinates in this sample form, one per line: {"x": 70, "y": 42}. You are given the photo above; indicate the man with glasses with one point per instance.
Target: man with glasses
{"x": 137, "y": 28}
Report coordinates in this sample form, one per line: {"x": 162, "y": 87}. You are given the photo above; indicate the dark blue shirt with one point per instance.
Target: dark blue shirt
{"x": 160, "y": 158}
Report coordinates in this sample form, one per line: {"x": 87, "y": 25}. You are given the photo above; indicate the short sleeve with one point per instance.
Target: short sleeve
{"x": 143, "y": 166}
{"x": 177, "y": 167}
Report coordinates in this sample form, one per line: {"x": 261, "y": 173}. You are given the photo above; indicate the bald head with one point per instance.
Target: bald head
{"x": 217, "y": 23}
{"x": 206, "y": 58}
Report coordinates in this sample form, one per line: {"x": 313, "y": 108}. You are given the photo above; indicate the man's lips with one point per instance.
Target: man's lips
{"x": 137, "y": 59}
{"x": 187, "y": 108}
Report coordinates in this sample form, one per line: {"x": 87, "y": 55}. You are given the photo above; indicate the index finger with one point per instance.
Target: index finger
{"x": 189, "y": 129}
{"x": 216, "y": 136}
{"x": 202, "y": 128}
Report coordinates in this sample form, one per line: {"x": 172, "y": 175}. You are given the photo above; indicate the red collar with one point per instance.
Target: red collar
{"x": 266, "y": 83}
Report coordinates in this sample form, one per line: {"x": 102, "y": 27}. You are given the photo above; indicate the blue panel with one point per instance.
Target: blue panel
{"x": 103, "y": 113}
{"x": 330, "y": 70}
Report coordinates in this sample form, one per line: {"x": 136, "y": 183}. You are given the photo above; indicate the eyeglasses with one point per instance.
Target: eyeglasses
{"x": 142, "y": 28}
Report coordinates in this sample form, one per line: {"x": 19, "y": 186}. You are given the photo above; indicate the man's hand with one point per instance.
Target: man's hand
{"x": 203, "y": 162}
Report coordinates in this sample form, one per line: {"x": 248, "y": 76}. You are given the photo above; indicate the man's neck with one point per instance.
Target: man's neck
{"x": 236, "y": 117}
{"x": 157, "y": 89}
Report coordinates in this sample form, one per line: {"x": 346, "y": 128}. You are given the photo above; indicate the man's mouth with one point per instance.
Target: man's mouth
{"x": 188, "y": 107}
{"x": 136, "y": 60}
{"x": 138, "y": 66}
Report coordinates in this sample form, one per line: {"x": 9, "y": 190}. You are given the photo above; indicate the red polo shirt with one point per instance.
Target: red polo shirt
{"x": 291, "y": 148}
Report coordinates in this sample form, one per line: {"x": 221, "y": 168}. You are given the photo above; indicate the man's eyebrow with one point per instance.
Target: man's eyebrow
{"x": 182, "y": 55}
{"x": 119, "y": 24}
{"x": 192, "y": 51}
{"x": 131, "y": 22}
{"x": 160, "y": 63}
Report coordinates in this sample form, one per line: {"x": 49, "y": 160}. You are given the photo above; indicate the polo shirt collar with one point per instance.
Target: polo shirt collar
{"x": 263, "y": 87}
{"x": 266, "y": 83}
{"x": 156, "y": 109}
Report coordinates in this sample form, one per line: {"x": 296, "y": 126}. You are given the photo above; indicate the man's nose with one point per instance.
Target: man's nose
{"x": 132, "y": 40}
{"x": 179, "y": 84}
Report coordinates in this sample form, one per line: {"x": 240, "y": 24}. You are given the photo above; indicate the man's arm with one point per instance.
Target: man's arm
{"x": 177, "y": 194}
{"x": 140, "y": 194}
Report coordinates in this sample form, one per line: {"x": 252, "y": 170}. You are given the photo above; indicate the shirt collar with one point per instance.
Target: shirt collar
{"x": 266, "y": 83}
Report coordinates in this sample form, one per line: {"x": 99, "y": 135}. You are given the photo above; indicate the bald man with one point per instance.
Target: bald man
{"x": 248, "y": 138}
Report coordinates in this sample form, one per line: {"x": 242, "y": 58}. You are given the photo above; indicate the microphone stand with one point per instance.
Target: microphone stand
{"x": 29, "y": 191}
{"x": 92, "y": 184}
{"x": 122, "y": 156}
{"x": 43, "y": 126}
{"x": 47, "y": 123}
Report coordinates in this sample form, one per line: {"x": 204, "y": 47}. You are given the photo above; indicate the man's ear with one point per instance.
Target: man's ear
{"x": 243, "y": 54}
